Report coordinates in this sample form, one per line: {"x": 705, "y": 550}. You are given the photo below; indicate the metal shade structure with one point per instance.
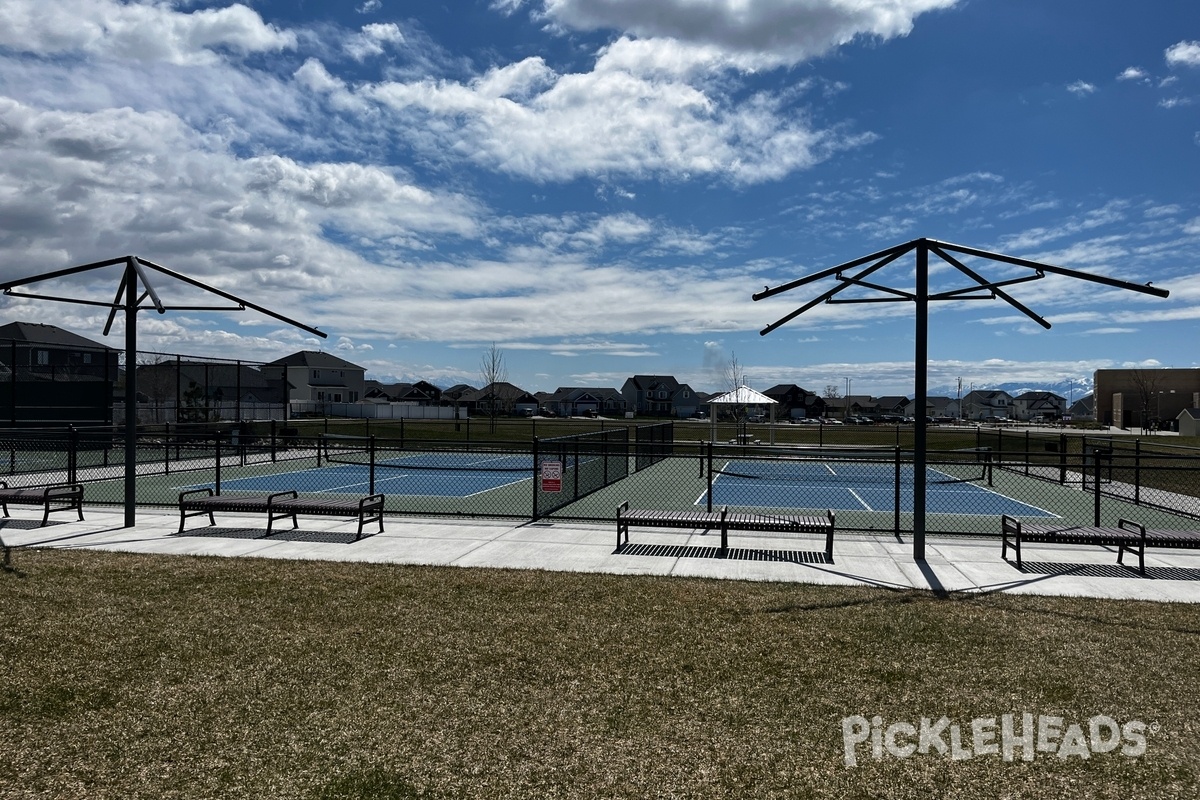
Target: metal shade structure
{"x": 132, "y": 293}
{"x": 855, "y": 274}
{"x": 741, "y": 396}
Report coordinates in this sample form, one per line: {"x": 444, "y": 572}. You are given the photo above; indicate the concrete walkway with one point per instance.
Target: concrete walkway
{"x": 951, "y": 565}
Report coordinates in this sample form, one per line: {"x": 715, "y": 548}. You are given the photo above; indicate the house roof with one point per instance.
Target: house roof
{"x": 1033, "y": 397}
{"x": 654, "y": 381}
{"x": 568, "y": 393}
{"x": 47, "y": 334}
{"x": 501, "y": 390}
{"x": 314, "y": 359}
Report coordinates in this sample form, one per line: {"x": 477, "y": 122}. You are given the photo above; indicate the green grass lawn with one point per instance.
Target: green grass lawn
{"x": 131, "y": 676}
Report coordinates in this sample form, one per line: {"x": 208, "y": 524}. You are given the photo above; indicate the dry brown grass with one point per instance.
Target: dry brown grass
{"x": 128, "y": 676}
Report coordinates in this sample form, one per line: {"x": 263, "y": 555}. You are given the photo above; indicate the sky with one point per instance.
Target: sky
{"x": 598, "y": 188}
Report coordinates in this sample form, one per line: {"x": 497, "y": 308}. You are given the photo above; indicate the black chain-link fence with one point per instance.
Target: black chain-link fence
{"x": 973, "y": 475}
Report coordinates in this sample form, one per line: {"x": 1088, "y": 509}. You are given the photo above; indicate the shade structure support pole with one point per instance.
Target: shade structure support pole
{"x": 921, "y": 376}
{"x": 131, "y": 302}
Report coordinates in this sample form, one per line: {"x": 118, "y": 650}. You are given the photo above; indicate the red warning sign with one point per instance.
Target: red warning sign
{"x": 551, "y": 476}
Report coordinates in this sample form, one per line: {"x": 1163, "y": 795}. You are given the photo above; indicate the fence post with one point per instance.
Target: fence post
{"x": 896, "y": 517}
{"x": 575, "y": 458}
{"x": 371, "y": 460}
{"x": 1062, "y": 459}
{"x": 217, "y": 470}
{"x": 273, "y": 433}
{"x": 606, "y": 448}
{"x": 1137, "y": 472}
{"x": 72, "y": 454}
{"x": 709, "y": 493}
{"x": 536, "y": 485}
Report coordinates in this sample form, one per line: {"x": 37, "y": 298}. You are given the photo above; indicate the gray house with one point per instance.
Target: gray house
{"x": 319, "y": 377}
{"x": 659, "y": 396}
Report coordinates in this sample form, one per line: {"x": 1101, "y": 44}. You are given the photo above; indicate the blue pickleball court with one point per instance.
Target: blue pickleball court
{"x": 855, "y": 487}
{"x": 417, "y": 474}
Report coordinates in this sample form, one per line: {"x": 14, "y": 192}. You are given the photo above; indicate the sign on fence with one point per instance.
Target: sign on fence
{"x": 552, "y": 476}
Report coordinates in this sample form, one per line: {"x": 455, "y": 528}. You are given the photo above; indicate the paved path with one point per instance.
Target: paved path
{"x": 952, "y": 564}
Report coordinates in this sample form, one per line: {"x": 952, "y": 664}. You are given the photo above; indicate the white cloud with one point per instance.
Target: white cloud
{"x": 369, "y": 7}
{"x": 530, "y": 121}
{"x": 373, "y": 40}
{"x": 124, "y": 181}
{"x": 1133, "y": 74}
{"x": 766, "y": 31}
{"x": 1081, "y": 88}
{"x": 1185, "y": 54}
{"x": 1192, "y": 227}
{"x": 137, "y": 31}
{"x": 1175, "y": 102}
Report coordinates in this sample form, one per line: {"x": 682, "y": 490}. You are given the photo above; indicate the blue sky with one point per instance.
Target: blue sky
{"x": 599, "y": 186}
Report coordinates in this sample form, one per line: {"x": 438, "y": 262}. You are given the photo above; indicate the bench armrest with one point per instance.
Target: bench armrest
{"x": 290, "y": 494}
{"x": 206, "y": 491}
{"x": 1132, "y": 527}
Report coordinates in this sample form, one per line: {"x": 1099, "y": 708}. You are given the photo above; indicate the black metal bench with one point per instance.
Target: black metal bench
{"x": 1128, "y": 537}
{"x": 783, "y": 523}
{"x": 738, "y": 521}
{"x": 280, "y": 505}
{"x": 66, "y": 497}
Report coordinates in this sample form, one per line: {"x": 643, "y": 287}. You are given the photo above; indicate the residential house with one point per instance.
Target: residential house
{"x": 936, "y": 408}
{"x": 1045, "y": 406}
{"x": 421, "y": 393}
{"x": 855, "y": 405}
{"x": 499, "y": 398}
{"x": 1082, "y": 409}
{"x": 39, "y": 360}
{"x": 987, "y": 405}
{"x": 795, "y": 402}
{"x": 319, "y": 377}
{"x": 659, "y": 396}
{"x": 580, "y": 401}
{"x": 892, "y": 406}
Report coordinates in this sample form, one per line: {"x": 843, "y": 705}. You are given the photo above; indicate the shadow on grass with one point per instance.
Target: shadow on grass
{"x": 369, "y": 784}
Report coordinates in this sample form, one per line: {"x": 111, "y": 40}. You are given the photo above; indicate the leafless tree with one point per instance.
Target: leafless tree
{"x": 1146, "y": 383}
{"x": 735, "y": 378}
{"x": 492, "y": 371}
